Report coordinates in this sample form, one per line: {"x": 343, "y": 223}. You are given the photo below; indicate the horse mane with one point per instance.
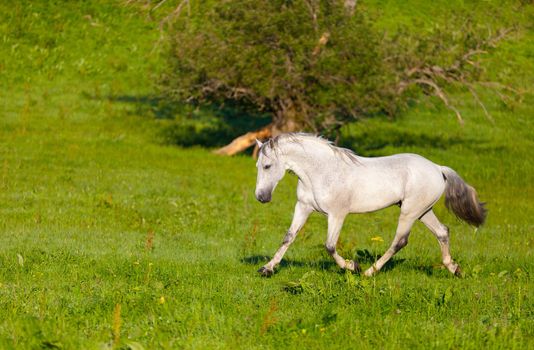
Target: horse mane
{"x": 294, "y": 137}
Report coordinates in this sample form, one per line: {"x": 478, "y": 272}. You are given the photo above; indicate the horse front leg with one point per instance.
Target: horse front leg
{"x": 302, "y": 211}
{"x": 334, "y": 228}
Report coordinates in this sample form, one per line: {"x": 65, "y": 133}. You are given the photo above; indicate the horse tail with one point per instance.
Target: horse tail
{"x": 462, "y": 200}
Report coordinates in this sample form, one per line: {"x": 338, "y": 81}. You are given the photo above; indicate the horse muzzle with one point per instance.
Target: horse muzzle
{"x": 263, "y": 197}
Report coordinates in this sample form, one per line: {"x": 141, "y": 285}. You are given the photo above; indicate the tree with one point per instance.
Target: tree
{"x": 312, "y": 64}
{"x": 272, "y": 56}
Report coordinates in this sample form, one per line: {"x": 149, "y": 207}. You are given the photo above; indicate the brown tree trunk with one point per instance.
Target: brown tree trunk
{"x": 285, "y": 119}
{"x": 243, "y": 142}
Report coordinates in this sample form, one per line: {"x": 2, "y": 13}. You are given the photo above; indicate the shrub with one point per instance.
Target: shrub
{"x": 314, "y": 64}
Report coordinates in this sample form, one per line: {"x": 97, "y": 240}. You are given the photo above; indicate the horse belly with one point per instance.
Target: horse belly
{"x": 376, "y": 195}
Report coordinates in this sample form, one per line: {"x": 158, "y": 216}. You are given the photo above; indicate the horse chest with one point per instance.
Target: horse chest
{"x": 322, "y": 199}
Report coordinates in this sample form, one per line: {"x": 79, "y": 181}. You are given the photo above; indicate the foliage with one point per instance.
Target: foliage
{"x": 447, "y": 57}
{"x": 314, "y": 65}
{"x": 267, "y": 55}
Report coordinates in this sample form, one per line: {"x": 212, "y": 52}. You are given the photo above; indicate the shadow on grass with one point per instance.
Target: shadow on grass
{"x": 436, "y": 271}
{"x": 188, "y": 125}
{"x": 321, "y": 264}
{"x": 373, "y": 142}
{"x": 363, "y": 256}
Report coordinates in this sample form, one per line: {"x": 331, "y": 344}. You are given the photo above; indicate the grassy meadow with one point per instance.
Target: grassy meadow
{"x": 113, "y": 237}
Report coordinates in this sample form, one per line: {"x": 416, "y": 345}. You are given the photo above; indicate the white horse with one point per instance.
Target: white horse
{"x": 335, "y": 181}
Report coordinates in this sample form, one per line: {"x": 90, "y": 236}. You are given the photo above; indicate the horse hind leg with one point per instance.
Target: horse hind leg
{"x": 401, "y": 239}
{"x": 442, "y": 234}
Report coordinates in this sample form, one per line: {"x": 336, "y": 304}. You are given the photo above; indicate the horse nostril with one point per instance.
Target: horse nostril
{"x": 263, "y": 198}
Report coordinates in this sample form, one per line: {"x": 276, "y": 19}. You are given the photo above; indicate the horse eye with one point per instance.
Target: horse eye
{"x": 266, "y": 167}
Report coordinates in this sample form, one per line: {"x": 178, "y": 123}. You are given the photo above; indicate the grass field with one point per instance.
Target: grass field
{"x": 110, "y": 237}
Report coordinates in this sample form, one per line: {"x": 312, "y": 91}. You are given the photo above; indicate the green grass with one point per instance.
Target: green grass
{"x": 96, "y": 211}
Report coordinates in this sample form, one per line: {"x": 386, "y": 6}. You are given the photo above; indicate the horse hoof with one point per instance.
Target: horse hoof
{"x": 354, "y": 267}
{"x": 265, "y": 272}
{"x": 458, "y": 272}
{"x": 370, "y": 272}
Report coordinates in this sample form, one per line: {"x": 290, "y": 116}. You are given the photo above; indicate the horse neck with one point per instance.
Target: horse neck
{"x": 305, "y": 159}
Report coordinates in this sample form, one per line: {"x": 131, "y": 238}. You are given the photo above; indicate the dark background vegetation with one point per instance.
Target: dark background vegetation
{"x": 316, "y": 65}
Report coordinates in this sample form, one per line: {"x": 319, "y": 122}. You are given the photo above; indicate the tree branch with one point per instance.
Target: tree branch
{"x": 441, "y": 94}
{"x": 243, "y": 142}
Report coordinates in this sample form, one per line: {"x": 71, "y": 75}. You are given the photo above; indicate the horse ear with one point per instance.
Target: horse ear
{"x": 258, "y": 142}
